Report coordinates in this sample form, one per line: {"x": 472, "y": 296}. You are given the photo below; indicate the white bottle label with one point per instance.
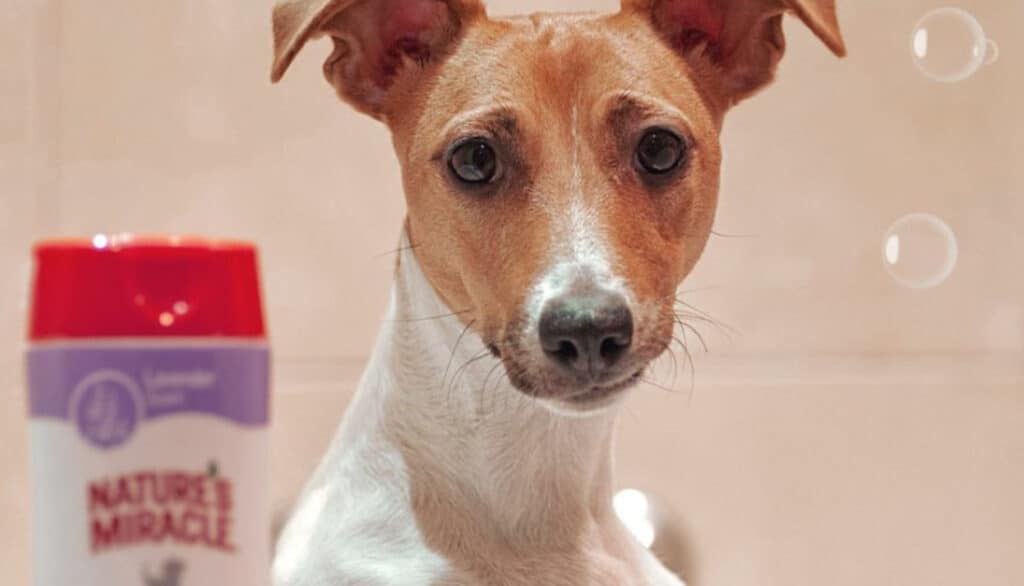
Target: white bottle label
{"x": 150, "y": 464}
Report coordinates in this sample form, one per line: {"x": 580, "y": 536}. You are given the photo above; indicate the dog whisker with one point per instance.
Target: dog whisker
{"x": 677, "y": 294}
{"x": 693, "y": 312}
{"x": 455, "y": 349}
{"x": 687, "y": 327}
{"x": 693, "y": 308}
{"x": 655, "y": 384}
{"x": 483, "y": 388}
{"x": 675, "y": 367}
{"x": 687, "y": 311}
{"x": 670, "y": 356}
{"x": 461, "y": 370}
{"x": 396, "y": 251}
{"x": 689, "y": 364}
{"x": 451, "y": 358}
{"x": 632, "y": 414}
{"x": 724, "y": 328}
{"x": 689, "y": 324}
{"x": 432, "y": 317}
{"x": 724, "y": 235}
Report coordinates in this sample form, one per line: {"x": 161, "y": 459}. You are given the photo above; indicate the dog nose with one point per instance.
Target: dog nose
{"x": 586, "y": 333}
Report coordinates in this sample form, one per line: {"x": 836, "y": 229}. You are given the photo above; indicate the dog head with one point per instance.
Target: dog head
{"x": 561, "y": 171}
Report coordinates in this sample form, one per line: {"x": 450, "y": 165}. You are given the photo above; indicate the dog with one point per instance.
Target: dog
{"x": 561, "y": 175}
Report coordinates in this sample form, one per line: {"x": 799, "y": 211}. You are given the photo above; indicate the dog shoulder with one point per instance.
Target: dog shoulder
{"x": 354, "y": 526}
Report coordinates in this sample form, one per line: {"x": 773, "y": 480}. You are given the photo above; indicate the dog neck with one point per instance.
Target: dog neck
{"x": 475, "y": 447}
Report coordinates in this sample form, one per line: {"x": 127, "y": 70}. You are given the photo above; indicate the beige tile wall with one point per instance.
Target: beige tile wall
{"x": 18, "y": 223}
{"x": 169, "y": 124}
{"x": 852, "y": 431}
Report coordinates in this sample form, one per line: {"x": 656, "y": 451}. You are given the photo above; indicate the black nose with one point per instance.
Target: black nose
{"x": 586, "y": 333}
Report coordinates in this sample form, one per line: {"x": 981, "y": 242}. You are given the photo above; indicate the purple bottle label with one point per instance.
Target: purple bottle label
{"x": 108, "y": 392}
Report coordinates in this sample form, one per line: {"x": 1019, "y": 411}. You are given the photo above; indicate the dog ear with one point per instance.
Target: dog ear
{"x": 374, "y": 40}
{"x": 742, "y": 38}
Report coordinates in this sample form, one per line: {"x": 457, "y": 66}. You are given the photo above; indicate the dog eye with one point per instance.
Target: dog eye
{"x": 660, "y": 151}
{"x": 474, "y": 161}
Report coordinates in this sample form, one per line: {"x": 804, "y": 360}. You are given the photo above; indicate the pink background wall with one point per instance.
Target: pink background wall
{"x": 852, "y": 431}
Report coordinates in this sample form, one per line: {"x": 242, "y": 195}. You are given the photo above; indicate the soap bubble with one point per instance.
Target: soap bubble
{"x": 949, "y": 45}
{"x": 920, "y": 251}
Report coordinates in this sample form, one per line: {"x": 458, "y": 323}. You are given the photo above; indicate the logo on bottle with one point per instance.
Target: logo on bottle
{"x": 162, "y": 507}
{"x": 107, "y": 407}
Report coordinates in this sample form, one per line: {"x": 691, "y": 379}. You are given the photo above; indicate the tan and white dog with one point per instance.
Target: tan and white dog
{"x": 561, "y": 175}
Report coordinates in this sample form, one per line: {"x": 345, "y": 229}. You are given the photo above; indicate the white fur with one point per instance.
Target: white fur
{"x": 581, "y": 250}
{"x": 539, "y": 481}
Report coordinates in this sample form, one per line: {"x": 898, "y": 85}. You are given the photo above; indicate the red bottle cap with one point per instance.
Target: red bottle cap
{"x": 125, "y": 286}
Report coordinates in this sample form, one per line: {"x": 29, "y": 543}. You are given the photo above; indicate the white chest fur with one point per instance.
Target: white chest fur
{"x": 442, "y": 473}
